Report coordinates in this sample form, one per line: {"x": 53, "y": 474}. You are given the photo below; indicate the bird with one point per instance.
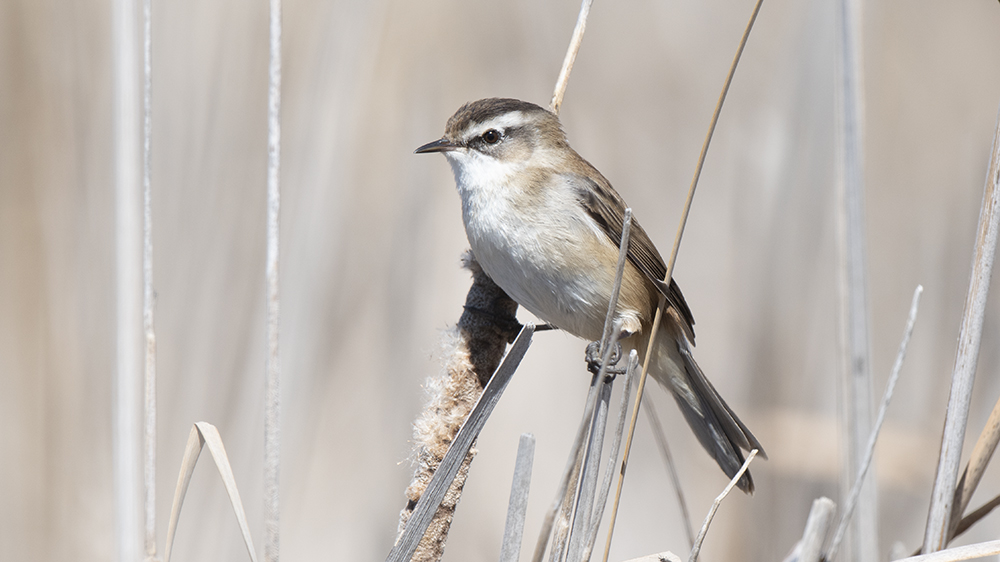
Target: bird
{"x": 546, "y": 226}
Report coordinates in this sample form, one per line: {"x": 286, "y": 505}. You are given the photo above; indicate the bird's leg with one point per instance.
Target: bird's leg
{"x": 594, "y": 358}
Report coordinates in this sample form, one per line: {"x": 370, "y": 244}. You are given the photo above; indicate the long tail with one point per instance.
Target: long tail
{"x": 715, "y": 424}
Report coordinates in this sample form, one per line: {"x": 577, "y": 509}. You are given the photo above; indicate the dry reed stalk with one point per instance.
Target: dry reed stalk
{"x": 272, "y": 393}
{"x": 517, "y": 506}
{"x": 696, "y": 549}
{"x": 810, "y": 547}
{"x": 616, "y": 442}
{"x": 661, "y": 557}
{"x": 969, "y": 552}
{"x": 483, "y": 332}
{"x": 128, "y": 266}
{"x": 149, "y": 457}
{"x": 568, "y": 481}
{"x": 869, "y": 453}
{"x": 981, "y": 454}
{"x": 856, "y": 341}
{"x": 670, "y": 270}
{"x": 963, "y": 375}
{"x": 971, "y": 519}
{"x": 201, "y": 435}
{"x": 571, "y": 51}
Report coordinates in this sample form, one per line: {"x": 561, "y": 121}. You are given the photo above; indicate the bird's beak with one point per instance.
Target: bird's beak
{"x": 440, "y": 145}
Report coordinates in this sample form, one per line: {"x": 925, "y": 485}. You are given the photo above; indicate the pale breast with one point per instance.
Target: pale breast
{"x": 550, "y": 257}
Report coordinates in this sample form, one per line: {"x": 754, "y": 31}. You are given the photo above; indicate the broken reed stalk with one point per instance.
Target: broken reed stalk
{"x": 670, "y": 271}
{"x": 485, "y": 328}
{"x": 571, "y": 51}
{"x": 272, "y": 368}
{"x": 517, "y": 506}
{"x": 810, "y": 547}
{"x": 149, "y": 407}
{"x": 696, "y": 549}
{"x": 963, "y": 375}
{"x": 866, "y": 462}
{"x": 856, "y": 341}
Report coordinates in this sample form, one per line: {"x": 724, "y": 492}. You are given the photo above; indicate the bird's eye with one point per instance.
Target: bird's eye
{"x": 492, "y": 136}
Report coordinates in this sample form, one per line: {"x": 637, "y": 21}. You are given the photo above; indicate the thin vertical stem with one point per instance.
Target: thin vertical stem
{"x": 272, "y": 399}
{"x": 942, "y": 498}
{"x": 583, "y": 512}
{"x": 670, "y": 270}
{"x": 700, "y": 539}
{"x": 128, "y": 266}
{"x": 518, "y": 505}
{"x": 857, "y": 355}
{"x": 149, "y": 472}
{"x": 574, "y": 48}
{"x": 866, "y": 462}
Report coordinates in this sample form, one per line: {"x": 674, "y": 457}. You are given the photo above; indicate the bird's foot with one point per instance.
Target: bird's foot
{"x": 594, "y": 359}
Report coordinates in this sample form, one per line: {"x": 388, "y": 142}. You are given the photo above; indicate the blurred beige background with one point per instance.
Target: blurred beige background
{"x": 371, "y": 239}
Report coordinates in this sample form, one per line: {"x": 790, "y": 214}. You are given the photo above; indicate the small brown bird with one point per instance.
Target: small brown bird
{"x": 545, "y": 225}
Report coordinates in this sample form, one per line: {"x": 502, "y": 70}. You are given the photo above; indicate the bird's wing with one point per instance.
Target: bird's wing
{"x": 607, "y": 208}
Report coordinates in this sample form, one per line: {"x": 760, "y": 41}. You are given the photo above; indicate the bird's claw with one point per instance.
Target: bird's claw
{"x": 594, "y": 359}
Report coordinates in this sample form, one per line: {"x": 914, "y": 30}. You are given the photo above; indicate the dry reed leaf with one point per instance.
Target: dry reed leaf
{"x": 204, "y": 433}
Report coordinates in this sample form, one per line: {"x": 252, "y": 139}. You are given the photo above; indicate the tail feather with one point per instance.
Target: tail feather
{"x": 717, "y": 427}
{"x": 713, "y": 422}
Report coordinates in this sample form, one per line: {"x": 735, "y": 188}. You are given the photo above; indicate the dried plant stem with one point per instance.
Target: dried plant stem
{"x": 661, "y": 441}
{"x": 970, "y": 552}
{"x": 981, "y": 455}
{"x": 583, "y": 512}
{"x": 574, "y": 48}
{"x": 696, "y": 549}
{"x": 518, "y": 504}
{"x": 971, "y": 519}
{"x": 939, "y": 514}
{"x": 570, "y": 488}
{"x": 568, "y": 481}
{"x": 125, "y": 442}
{"x": 149, "y": 457}
{"x": 272, "y": 396}
{"x": 602, "y": 500}
{"x": 810, "y": 548}
{"x": 205, "y": 434}
{"x": 872, "y": 439}
{"x": 670, "y": 271}
{"x": 857, "y": 380}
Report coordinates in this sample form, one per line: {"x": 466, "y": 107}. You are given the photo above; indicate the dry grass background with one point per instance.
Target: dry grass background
{"x": 372, "y": 236}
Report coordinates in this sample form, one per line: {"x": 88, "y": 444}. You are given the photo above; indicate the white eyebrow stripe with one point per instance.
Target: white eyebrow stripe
{"x": 500, "y": 123}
